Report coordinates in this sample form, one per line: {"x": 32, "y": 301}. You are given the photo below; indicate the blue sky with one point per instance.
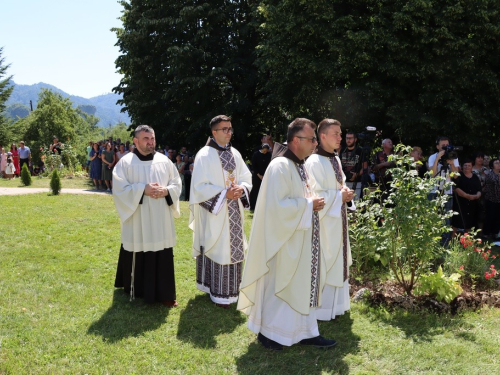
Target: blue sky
{"x": 67, "y": 43}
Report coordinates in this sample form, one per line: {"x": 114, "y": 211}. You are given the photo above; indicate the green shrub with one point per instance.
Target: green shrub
{"x": 25, "y": 175}
{"x": 440, "y": 286}
{"x": 404, "y": 232}
{"x": 55, "y": 183}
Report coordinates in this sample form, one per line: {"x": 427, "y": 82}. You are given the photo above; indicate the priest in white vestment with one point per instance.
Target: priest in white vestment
{"x": 220, "y": 190}
{"x": 326, "y": 169}
{"x": 285, "y": 270}
{"x": 146, "y": 189}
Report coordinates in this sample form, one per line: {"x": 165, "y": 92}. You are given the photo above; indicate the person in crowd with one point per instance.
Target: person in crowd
{"x": 444, "y": 169}
{"x": 480, "y": 170}
{"x": 170, "y": 155}
{"x": 183, "y": 153}
{"x": 3, "y": 161}
{"x": 179, "y": 164}
{"x": 466, "y": 200}
{"x": 260, "y": 161}
{"x": 284, "y": 272}
{"x": 15, "y": 158}
{"x": 220, "y": 189}
{"x": 24, "y": 155}
{"x": 187, "y": 177}
{"x": 478, "y": 167}
{"x": 330, "y": 184}
{"x": 265, "y": 139}
{"x": 10, "y": 168}
{"x": 95, "y": 165}
{"x": 146, "y": 188}
{"x": 416, "y": 154}
{"x": 56, "y": 146}
{"x": 108, "y": 161}
{"x": 351, "y": 157}
{"x": 131, "y": 148}
{"x": 121, "y": 152}
{"x": 88, "y": 150}
{"x": 492, "y": 200}
{"x": 381, "y": 164}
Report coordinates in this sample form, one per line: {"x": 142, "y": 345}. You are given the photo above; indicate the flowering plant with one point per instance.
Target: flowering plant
{"x": 471, "y": 257}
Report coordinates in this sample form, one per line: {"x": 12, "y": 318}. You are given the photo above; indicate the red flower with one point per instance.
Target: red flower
{"x": 492, "y": 266}
{"x": 461, "y": 267}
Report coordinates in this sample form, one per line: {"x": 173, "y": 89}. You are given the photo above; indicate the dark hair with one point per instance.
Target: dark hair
{"x": 351, "y": 132}
{"x": 478, "y": 154}
{"x": 439, "y": 139}
{"x": 492, "y": 160}
{"x": 217, "y": 119}
{"x": 467, "y": 160}
{"x": 296, "y": 126}
{"x": 143, "y": 128}
{"x": 325, "y": 124}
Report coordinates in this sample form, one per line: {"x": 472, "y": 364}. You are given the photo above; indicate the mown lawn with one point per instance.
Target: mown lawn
{"x": 44, "y": 182}
{"x": 60, "y": 314}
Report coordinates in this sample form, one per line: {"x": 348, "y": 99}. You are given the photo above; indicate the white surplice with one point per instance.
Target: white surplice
{"x": 146, "y": 226}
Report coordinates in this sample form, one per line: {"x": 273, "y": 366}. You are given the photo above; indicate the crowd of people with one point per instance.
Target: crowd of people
{"x": 11, "y": 161}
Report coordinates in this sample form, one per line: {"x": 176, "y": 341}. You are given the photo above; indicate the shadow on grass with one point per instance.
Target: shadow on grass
{"x": 299, "y": 359}
{"x": 424, "y": 326}
{"x": 128, "y": 319}
{"x": 202, "y": 321}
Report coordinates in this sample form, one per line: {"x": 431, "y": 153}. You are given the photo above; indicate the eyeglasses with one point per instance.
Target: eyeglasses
{"x": 225, "y": 130}
{"x": 312, "y": 139}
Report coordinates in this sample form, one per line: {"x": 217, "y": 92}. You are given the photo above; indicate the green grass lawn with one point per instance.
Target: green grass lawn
{"x": 44, "y": 182}
{"x": 60, "y": 314}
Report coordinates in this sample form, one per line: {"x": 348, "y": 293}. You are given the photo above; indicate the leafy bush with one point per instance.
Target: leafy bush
{"x": 55, "y": 183}
{"x": 404, "y": 232}
{"x": 440, "y": 286}
{"x": 25, "y": 175}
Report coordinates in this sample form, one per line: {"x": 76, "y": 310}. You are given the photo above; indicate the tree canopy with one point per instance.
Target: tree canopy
{"x": 414, "y": 69}
{"x": 186, "y": 61}
{"x": 5, "y": 91}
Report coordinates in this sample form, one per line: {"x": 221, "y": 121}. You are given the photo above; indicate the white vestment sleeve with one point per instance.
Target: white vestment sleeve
{"x": 306, "y": 220}
{"x": 335, "y": 208}
{"x": 220, "y": 202}
{"x": 126, "y": 195}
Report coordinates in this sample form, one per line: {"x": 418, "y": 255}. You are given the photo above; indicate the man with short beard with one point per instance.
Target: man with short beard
{"x": 146, "y": 189}
{"x": 351, "y": 158}
{"x": 285, "y": 271}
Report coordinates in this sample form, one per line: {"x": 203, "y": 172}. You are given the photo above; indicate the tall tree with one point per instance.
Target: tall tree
{"x": 55, "y": 116}
{"x": 186, "y": 61}
{"x": 5, "y": 91}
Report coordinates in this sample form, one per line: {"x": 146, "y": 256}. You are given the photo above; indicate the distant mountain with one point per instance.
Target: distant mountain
{"x": 106, "y": 108}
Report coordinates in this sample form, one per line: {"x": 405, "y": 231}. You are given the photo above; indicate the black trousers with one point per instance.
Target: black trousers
{"x": 24, "y": 161}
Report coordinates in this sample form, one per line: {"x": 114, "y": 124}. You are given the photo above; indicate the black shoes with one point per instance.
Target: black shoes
{"x": 319, "y": 342}
{"x": 268, "y": 343}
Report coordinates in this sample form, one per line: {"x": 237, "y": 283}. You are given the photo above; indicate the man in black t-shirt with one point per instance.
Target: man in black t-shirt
{"x": 351, "y": 158}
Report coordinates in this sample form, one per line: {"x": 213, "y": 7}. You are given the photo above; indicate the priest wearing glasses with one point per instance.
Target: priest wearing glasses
{"x": 220, "y": 190}
{"x": 285, "y": 270}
